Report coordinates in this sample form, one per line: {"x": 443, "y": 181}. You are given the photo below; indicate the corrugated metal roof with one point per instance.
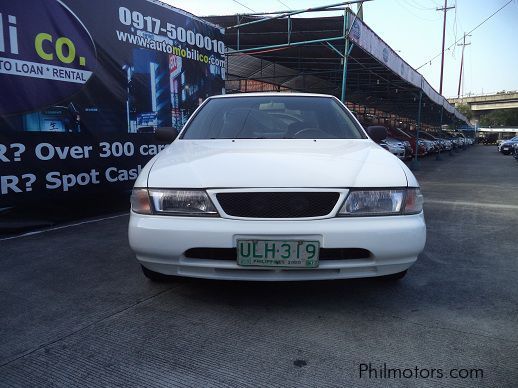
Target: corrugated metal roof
{"x": 317, "y": 68}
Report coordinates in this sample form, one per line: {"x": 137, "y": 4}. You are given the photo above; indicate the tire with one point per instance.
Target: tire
{"x": 154, "y": 276}
{"x": 394, "y": 277}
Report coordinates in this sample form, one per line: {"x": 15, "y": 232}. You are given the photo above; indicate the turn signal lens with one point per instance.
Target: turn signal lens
{"x": 140, "y": 202}
{"x": 413, "y": 201}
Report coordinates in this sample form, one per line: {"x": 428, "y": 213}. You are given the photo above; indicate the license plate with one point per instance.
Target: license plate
{"x": 278, "y": 253}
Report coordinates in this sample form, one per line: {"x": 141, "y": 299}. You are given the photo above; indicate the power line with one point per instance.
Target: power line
{"x": 242, "y": 5}
{"x": 287, "y": 6}
{"x": 404, "y": 6}
{"x": 418, "y": 6}
{"x": 469, "y": 32}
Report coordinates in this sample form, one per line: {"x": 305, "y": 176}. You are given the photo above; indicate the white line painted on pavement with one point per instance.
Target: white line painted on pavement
{"x": 505, "y": 186}
{"x": 474, "y": 204}
{"x": 62, "y": 227}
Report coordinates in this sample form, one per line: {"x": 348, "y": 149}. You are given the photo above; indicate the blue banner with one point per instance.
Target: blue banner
{"x": 86, "y": 83}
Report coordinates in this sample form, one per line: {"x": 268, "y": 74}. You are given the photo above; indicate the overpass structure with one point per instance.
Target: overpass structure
{"x": 488, "y": 102}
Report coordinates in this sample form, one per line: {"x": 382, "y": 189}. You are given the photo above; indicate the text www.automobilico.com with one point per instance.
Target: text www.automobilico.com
{"x": 370, "y": 371}
{"x": 165, "y": 47}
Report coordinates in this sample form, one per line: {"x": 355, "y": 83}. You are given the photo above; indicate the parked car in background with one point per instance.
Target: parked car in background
{"x": 406, "y": 139}
{"x": 384, "y": 146}
{"x": 458, "y": 142}
{"x": 419, "y": 145}
{"x": 500, "y": 141}
{"x": 395, "y": 147}
{"x": 491, "y": 138}
{"x": 239, "y": 195}
{"x": 445, "y": 140}
{"x": 437, "y": 145}
{"x": 409, "y": 153}
{"x": 429, "y": 145}
{"x": 464, "y": 140}
{"x": 506, "y": 147}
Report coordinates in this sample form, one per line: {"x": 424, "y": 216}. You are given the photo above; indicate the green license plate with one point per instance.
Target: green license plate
{"x": 278, "y": 253}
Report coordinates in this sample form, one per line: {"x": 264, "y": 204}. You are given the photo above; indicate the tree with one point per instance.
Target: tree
{"x": 465, "y": 109}
{"x": 500, "y": 118}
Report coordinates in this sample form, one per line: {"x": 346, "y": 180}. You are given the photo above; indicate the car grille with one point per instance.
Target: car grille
{"x": 278, "y": 204}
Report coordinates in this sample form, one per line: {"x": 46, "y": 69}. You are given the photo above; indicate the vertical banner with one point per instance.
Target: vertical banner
{"x": 84, "y": 85}
{"x": 371, "y": 43}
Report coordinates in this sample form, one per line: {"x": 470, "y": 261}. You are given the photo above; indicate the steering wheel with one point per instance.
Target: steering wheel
{"x": 309, "y": 133}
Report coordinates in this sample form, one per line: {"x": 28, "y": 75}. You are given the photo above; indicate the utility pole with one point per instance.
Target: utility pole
{"x": 444, "y": 9}
{"x": 463, "y": 44}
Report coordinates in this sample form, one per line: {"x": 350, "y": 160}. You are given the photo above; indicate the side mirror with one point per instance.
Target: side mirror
{"x": 166, "y": 134}
{"x": 377, "y": 133}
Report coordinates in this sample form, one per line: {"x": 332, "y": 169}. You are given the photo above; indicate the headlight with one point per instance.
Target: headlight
{"x": 382, "y": 202}
{"x": 182, "y": 202}
{"x": 173, "y": 202}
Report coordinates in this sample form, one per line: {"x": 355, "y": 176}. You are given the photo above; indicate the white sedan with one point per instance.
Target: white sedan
{"x": 276, "y": 187}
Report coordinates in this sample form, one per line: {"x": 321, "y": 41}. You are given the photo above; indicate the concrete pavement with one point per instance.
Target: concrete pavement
{"x": 75, "y": 310}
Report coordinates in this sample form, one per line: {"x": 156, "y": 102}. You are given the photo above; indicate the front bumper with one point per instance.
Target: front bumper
{"x": 159, "y": 243}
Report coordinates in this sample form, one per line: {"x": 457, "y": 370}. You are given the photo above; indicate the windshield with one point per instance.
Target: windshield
{"x": 273, "y": 117}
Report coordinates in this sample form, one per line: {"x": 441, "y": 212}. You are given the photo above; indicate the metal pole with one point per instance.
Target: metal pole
{"x": 444, "y": 9}
{"x": 346, "y": 53}
{"x": 464, "y": 44}
{"x": 324, "y": 7}
{"x": 415, "y": 164}
{"x": 461, "y": 64}
{"x": 438, "y": 156}
{"x": 289, "y": 29}
{"x": 238, "y": 21}
{"x": 451, "y": 150}
{"x": 274, "y": 46}
{"x": 453, "y": 129}
{"x": 268, "y": 13}
{"x": 443, "y": 41}
{"x": 334, "y": 49}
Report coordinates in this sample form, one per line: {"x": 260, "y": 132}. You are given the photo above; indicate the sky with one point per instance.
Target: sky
{"x": 414, "y": 29}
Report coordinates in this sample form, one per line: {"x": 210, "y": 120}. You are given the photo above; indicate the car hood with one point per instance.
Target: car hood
{"x": 225, "y": 163}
